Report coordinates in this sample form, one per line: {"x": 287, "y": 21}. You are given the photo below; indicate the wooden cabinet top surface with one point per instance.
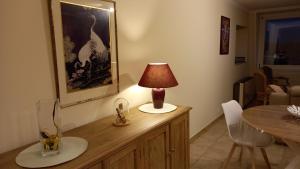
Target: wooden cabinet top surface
{"x": 104, "y": 138}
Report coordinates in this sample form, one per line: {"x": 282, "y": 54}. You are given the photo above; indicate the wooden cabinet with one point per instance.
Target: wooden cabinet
{"x": 127, "y": 158}
{"x": 97, "y": 166}
{"x": 156, "y": 149}
{"x": 179, "y": 143}
{"x": 151, "y": 141}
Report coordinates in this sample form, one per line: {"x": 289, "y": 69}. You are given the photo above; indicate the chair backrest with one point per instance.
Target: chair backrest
{"x": 233, "y": 112}
{"x": 268, "y": 72}
{"x": 260, "y": 81}
{"x": 261, "y": 87}
{"x": 238, "y": 131}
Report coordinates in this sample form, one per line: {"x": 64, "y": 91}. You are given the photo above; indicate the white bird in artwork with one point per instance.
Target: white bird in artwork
{"x": 94, "y": 44}
{"x": 96, "y": 40}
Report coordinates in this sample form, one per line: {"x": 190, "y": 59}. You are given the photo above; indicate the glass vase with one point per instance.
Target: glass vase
{"x": 49, "y": 121}
{"x": 121, "y": 107}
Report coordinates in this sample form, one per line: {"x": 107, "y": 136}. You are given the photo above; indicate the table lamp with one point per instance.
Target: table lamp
{"x": 158, "y": 76}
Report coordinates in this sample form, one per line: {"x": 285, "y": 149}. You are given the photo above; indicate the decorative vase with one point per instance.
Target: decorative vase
{"x": 49, "y": 121}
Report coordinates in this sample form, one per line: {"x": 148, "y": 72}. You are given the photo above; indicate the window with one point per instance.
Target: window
{"x": 282, "y": 42}
{"x": 279, "y": 39}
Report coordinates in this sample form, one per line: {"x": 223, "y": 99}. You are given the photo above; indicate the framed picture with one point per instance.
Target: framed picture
{"x": 225, "y": 34}
{"x": 85, "y": 48}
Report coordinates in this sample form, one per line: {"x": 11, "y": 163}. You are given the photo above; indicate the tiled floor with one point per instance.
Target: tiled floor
{"x": 211, "y": 149}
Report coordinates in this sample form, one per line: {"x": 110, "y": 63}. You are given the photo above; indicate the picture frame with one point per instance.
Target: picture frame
{"x": 84, "y": 38}
{"x": 224, "y": 35}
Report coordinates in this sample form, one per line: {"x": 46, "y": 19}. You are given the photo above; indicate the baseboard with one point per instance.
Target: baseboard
{"x": 211, "y": 123}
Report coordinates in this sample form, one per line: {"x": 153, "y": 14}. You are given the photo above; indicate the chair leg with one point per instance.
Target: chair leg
{"x": 241, "y": 153}
{"x": 252, "y": 157}
{"x": 229, "y": 156}
{"x": 263, "y": 152}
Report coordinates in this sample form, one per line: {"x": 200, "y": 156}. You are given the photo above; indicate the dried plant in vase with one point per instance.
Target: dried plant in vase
{"x": 121, "y": 106}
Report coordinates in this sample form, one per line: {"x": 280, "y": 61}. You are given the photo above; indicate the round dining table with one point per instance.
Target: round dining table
{"x": 277, "y": 121}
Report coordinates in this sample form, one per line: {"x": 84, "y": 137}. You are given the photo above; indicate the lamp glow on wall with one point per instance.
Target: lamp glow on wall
{"x": 158, "y": 76}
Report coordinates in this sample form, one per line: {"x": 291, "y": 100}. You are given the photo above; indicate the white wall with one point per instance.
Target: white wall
{"x": 242, "y": 42}
{"x": 186, "y": 35}
{"x": 183, "y": 33}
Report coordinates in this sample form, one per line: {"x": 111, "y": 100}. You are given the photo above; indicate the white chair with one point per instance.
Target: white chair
{"x": 243, "y": 135}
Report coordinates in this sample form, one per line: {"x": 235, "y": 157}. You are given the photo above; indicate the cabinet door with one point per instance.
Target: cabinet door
{"x": 156, "y": 149}
{"x": 97, "y": 166}
{"x": 179, "y": 143}
{"x": 127, "y": 158}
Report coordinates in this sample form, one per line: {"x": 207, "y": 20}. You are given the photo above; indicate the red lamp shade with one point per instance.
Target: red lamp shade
{"x": 158, "y": 76}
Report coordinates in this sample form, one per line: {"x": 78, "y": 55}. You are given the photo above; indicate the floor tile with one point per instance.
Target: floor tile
{"x": 211, "y": 149}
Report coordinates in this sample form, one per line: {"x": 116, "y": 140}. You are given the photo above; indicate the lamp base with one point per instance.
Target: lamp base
{"x": 158, "y": 97}
{"x": 149, "y": 108}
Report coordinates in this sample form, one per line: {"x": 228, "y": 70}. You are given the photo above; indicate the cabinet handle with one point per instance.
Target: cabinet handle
{"x": 171, "y": 151}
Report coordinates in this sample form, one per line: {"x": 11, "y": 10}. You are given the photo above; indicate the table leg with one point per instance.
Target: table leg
{"x": 295, "y": 147}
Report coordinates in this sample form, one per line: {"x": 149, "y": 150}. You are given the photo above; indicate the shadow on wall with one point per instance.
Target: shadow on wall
{"x": 101, "y": 108}
{"x": 126, "y": 81}
{"x": 46, "y": 21}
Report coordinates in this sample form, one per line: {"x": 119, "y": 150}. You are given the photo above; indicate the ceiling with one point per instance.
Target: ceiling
{"x": 264, "y": 4}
